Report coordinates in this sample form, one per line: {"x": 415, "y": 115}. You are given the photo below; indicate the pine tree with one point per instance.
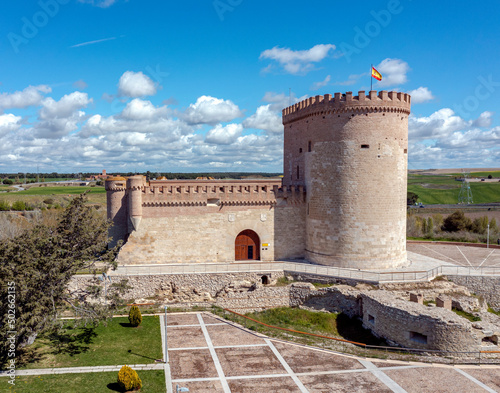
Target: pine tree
{"x": 39, "y": 264}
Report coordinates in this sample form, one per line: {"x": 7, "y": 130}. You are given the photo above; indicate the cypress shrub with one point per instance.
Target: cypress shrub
{"x": 128, "y": 379}
{"x": 134, "y": 316}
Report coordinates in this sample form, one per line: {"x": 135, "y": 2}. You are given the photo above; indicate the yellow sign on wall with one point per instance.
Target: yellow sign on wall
{"x": 265, "y": 244}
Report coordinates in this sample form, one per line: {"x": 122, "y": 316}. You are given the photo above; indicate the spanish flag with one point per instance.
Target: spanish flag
{"x": 375, "y": 74}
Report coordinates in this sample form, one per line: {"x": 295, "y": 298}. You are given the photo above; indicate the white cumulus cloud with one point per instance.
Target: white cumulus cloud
{"x": 30, "y": 96}
{"x": 65, "y": 107}
{"x": 136, "y": 84}
{"x": 211, "y": 110}
{"x": 224, "y": 135}
{"x": 138, "y": 109}
{"x": 8, "y": 123}
{"x": 323, "y": 83}
{"x": 265, "y": 119}
{"x": 99, "y": 3}
{"x": 422, "y": 94}
{"x": 297, "y": 61}
{"x": 393, "y": 72}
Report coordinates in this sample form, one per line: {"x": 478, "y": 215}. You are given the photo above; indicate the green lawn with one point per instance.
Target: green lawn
{"x": 322, "y": 323}
{"x": 152, "y": 382}
{"x": 114, "y": 344}
{"x": 62, "y": 190}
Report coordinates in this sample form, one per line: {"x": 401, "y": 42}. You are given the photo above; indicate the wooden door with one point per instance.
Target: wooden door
{"x": 247, "y": 246}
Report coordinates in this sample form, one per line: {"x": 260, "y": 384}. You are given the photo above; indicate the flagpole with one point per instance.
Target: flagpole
{"x": 371, "y": 78}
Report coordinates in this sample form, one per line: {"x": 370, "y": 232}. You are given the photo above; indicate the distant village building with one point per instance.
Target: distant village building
{"x": 102, "y": 176}
{"x": 341, "y": 201}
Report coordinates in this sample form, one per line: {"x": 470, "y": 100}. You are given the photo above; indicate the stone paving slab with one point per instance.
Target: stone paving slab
{"x": 182, "y": 319}
{"x": 271, "y": 385}
{"x": 230, "y": 335}
{"x": 207, "y": 318}
{"x": 433, "y": 379}
{"x": 303, "y": 360}
{"x": 362, "y": 382}
{"x": 249, "y": 361}
{"x": 489, "y": 376}
{"x": 186, "y": 337}
{"x": 200, "y": 386}
{"x": 191, "y": 364}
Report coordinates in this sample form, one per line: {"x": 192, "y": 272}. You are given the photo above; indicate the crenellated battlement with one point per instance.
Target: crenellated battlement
{"x": 175, "y": 193}
{"x": 345, "y": 103}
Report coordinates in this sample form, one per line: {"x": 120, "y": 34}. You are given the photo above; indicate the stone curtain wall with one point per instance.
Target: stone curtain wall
{"x": 487, "y": 287}
{"x": 207, "y": 234}
{"x": 187, "y": 237}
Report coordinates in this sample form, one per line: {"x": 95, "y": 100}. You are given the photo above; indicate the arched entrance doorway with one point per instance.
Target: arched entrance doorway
{"x": 247, "y": 246}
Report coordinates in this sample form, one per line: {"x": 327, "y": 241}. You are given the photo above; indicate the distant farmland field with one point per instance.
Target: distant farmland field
{"x": 443, "y": 189}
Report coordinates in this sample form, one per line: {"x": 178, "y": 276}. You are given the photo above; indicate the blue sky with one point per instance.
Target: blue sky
{"x": 199, "y": 85}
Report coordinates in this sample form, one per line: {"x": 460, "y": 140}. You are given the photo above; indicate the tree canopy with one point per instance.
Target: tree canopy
{"x": 37, "y": 265}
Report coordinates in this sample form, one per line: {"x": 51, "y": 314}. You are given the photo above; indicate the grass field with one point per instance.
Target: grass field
{"x": 495, "y": 174}
{"x": 114, "y": 344}
{"x": 322, "y": 323}
{"x": 152, "y": 382}
{"x": 445, "y": 190}
{"x": 61, "y": 195}
{"x": 62, "y": 190}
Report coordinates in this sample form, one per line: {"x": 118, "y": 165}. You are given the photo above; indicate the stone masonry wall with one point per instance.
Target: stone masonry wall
{"x": 487, "y": 287}
{"x": 201, "y": 234}
{"x": 414, "y": 325}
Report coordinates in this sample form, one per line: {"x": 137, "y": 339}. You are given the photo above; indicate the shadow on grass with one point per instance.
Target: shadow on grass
{"x": 115, "y": 387}
{"x": 142, "y": 356}
{"x": 127, "y": 325}
{"x": 66, "y": 341}
{"x": 352, "y": 329}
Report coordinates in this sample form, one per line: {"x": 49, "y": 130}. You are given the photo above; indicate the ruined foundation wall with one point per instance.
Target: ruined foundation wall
{"x": 487, "y": 287}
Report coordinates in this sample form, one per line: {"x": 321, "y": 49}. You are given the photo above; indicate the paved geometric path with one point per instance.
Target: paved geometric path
{"x": 210, "y": 355}
{"x": 207, "y": 354}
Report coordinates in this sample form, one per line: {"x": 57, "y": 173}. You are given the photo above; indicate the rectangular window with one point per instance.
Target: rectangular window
{"x": 371, "y": 319}
{"x": 365, "y": 146}
{"x": 418, "y": 338}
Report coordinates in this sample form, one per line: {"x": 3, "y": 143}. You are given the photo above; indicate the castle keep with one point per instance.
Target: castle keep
{"x": 341, "y": 201}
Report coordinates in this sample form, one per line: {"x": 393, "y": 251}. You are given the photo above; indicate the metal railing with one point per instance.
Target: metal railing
{"x": 305, "y": 268}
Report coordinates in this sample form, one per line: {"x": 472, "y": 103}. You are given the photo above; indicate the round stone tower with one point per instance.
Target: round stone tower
{"x": 117, "y": 208}
{"x": 350, "y": 152}
{"x": 134, "y": 186}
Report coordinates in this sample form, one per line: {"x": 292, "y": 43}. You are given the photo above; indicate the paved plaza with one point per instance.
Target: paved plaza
{"x": 461, "y": 255}
{"x": 207, "y": 354}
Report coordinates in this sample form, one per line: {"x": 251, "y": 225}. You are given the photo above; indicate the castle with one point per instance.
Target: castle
{"x": 341, "y": 202}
